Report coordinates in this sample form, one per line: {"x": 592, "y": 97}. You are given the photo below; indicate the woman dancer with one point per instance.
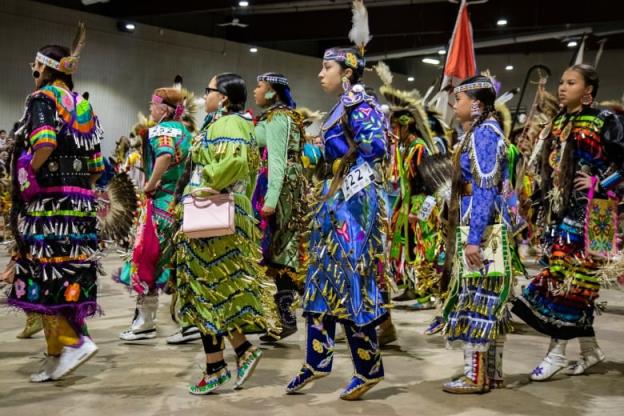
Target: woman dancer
{"x": 582, "y": 165}
{"x": 475, "y": 309}
{"x": 219, "y": 280}
{"x": 165, "y": 152}
{"x": 56, "y": 161}
{"x": 280, "y": 187}
{"x": 347, "y": 232}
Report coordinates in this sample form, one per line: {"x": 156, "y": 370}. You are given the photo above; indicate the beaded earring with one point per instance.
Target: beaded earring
{"x": 346, "y": 84}
{"x": 220, "y": 110}
{"x": 587, "y": 100}
{"x": 475, "y": 109}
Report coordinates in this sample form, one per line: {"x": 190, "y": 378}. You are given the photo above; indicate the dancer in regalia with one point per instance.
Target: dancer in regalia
{"x": 222, "y": 287}
{"x": 346, "y": 247}
{"x": 279, "y": 195}
{"x": 582, "y": 166}
{"x": 56, "y": 161}
{"x": 478, "y": 242}
{"x": 150, "y": 265}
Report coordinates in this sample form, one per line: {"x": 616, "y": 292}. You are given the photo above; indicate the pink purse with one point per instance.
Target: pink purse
{"x": 208, "y": 216}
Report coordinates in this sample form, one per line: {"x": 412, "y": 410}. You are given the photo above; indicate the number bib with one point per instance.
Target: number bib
{"x": 356, "y": 180}
{"x": 427, "y": 208}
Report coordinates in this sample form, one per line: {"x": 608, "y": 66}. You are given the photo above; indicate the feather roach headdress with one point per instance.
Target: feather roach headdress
{"x": 407, "y": 106}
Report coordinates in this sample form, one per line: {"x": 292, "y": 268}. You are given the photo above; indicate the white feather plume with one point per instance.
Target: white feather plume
{"x": 384, "y": 73}
{"x": 503, "y": 99}
{"x": 360, "y": 33}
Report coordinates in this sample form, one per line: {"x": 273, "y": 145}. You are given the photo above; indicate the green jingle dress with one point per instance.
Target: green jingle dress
{"x": 221, "y": 285}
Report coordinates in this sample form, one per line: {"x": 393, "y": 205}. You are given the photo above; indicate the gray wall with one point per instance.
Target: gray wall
{"x": 121, "y": 70}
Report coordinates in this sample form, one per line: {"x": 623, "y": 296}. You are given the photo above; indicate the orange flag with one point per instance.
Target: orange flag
{"x": 460, "y": 62}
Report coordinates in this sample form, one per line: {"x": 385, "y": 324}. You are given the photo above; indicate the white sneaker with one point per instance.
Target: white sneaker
{"x": 132, "y": 335}
{"x": 73, "y": 357}
{"x": 552, "y": 364}
{"x": 184, "y": 335}
{"x": 588, "y": 359}
{"x": 46, "y": 370}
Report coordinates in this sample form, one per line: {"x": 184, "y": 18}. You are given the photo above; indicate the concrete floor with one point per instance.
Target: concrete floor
{"x": 151, "y": 378}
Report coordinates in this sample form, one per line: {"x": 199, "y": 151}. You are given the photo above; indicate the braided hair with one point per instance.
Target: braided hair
{"x": 486, "y": 96}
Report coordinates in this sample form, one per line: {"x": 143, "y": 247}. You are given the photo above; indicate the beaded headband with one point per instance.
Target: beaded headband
{"x": 473, "y": 86}
{"x": 272, "y": 79}
{"x": 67, "y": 65}
{"x": 345, "y": 56}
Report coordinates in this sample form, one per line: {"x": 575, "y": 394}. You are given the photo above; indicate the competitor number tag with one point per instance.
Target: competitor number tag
{"x": 427, "y": 208}
{"x": 356, "y": 180}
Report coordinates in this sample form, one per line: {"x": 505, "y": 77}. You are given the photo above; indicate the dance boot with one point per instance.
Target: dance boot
{"x": 495, "y": 363}
{"x": 366, "y": 357}
{"x": 591, "y": 354}
{"x": 408, "y": 294}
{"x": 422, "y": 304}
{"x": 474, "y": 380}
{"x": 436, "y": 325}
{"x": 386, "y": 332}
{"x": 210, "y": 382}
{"x": 33, "y": 326}
{"x": 246, "y": 366}
{"x": 144, "y": 324}
{"x": 284, "y": 299}
{"x": 319, "y": 352}
{"x": 554, "y": 361}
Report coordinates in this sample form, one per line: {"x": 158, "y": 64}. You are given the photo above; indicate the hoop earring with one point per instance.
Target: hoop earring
{"x": 475, "y": 109}
{"x": 587, "y": 100}
{"x": 346, "y": 84}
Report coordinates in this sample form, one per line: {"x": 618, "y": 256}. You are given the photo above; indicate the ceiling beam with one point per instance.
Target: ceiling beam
{"x": 290, "y": 7}
{"x": 488, "y": 43}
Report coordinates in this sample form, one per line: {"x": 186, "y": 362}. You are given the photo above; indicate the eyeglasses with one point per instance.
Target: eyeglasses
{"x": 209, "y": 90}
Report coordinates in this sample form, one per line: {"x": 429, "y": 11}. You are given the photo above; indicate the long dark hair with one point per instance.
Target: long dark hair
{"x": 57, "y": 53}
{"x": 234, "y": 88}
{"x": 486, "y": 96}
{"x": 567, "y": 168}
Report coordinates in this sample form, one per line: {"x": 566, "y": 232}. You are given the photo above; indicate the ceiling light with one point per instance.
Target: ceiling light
{"x": 572, "y": 44}
{"x": 243, "y": 3}
{"x": 90, "y": 2}
{"x": 501, "y": 22}
{"x": 509, "y": 68}
{"x": 253, "y": 49}
{"x": 128, "y": 27}
{"x": 442, "y": 52}
{"x": 431, "y": 61}
{"x": 411, "y": 79}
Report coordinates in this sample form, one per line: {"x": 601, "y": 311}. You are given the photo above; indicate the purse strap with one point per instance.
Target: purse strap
{"x": 195, "y": 193}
